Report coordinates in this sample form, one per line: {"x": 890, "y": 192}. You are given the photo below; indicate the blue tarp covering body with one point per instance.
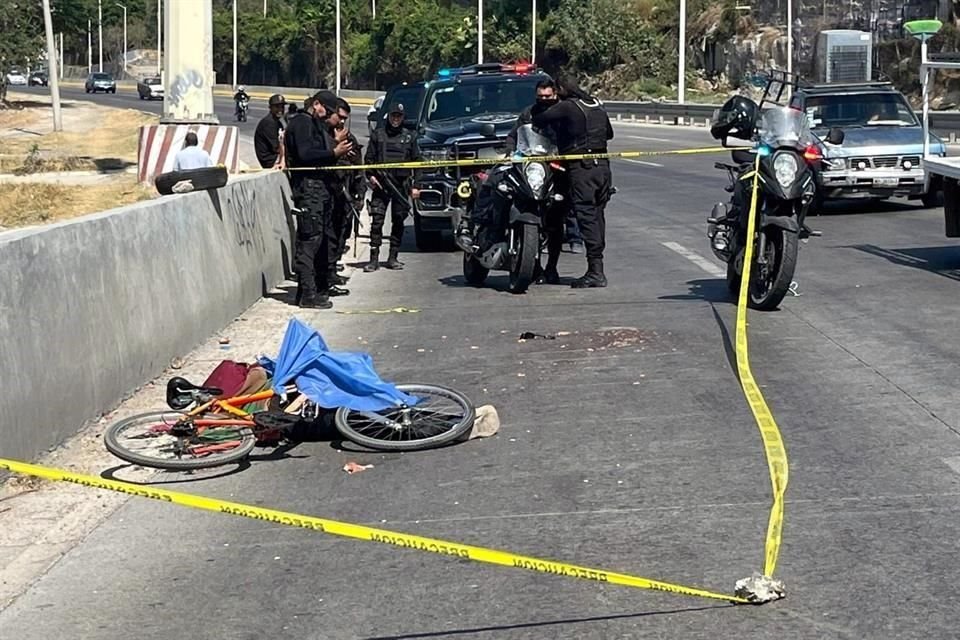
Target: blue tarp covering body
{"x": 331, "y": 379}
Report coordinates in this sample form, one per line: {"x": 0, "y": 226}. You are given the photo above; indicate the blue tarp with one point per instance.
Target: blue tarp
{"x": 331, "y": 379}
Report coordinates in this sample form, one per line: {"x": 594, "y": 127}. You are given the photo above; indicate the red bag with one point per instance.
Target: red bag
{"x": 229, "y": 376}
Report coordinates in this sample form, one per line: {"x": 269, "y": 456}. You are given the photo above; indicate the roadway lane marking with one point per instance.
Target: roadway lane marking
{"x": 649, "y": 139}
{"x": 644, "y": 163}
{"x": 710, "y": 267}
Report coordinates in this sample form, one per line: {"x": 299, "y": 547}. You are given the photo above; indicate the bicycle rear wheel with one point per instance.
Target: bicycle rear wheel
{"x": 441, "y": 416}
{"x": 173, "y": 440}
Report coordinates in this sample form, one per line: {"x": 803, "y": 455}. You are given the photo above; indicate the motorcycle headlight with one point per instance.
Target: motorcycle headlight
{"x": 536, "y": 175}
{"x": 785, "y": 167}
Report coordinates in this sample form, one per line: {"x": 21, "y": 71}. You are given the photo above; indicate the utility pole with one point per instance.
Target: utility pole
{"x": 52, "y": 67}
{"x": 100, "y": 32}
{"x": 89, "y": 46}
{"x": 790, "y": 42}
{"x": 264, "y": 8}
{"x": 124, "y": 7}
{"x": 374, "y": 9}
{"x": 61, "y": 55}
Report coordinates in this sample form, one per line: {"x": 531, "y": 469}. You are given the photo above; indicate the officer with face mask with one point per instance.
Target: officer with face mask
{"x": 391, "y": 143}
{"x": 582, "y": 126}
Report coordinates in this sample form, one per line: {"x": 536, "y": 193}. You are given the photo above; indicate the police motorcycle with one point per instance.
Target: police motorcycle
{"x": 506, "y": 212}
{"x": 789, "y": 154}
{"x": 241, "y": 109}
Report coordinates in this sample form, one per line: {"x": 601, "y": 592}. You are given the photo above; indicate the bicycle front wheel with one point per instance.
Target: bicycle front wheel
{"x": 441, "y": 416}
{"x": 173, "y": 440}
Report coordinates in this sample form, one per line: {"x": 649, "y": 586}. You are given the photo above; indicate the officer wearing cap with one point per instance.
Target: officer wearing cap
{"x": 310, "y": 144}
{"x": 391, "y": 143}
{"x": 268, "y": 138}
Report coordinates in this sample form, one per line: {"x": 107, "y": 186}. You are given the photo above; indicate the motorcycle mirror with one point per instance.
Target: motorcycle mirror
{"x": 835, "y": 136}
{"x": 488, "y": 129}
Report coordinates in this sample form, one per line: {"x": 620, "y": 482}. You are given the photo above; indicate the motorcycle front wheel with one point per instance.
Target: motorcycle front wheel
{"x": 524, "y": 262}
{"x": 769, "y": 282}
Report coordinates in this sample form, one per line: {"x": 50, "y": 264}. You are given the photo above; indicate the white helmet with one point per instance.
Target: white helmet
{"x": 242, "y": 88}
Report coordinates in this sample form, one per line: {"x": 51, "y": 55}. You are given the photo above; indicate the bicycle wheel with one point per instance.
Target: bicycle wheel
{"x": 441, "y": 416}
{"x": 172, "y": 440}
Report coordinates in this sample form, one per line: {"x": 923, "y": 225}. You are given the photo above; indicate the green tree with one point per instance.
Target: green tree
{"x": 21, "y": 37}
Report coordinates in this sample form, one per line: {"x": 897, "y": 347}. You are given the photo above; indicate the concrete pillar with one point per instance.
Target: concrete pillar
{"x": 188, "y": 63}
{"x": 188, "y": 82}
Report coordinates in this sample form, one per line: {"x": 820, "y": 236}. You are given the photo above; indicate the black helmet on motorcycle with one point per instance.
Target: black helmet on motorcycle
{"x": 735, "y": 119}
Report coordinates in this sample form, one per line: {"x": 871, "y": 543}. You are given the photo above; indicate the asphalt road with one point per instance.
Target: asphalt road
{"x": 632, "y": 451}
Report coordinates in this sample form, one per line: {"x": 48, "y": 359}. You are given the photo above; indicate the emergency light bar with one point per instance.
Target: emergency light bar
{"x": 487, "y": 67}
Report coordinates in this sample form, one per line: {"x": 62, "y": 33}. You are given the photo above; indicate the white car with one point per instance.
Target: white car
{"x": 16, "y": 77}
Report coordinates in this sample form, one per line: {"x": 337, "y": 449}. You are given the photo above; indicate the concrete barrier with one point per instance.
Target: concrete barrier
{"x": 93, "y": 307}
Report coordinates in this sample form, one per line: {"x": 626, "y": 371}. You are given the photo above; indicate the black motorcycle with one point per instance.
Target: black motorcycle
{"x": 506, "y": 213}
{"x": 788, "y": 156}
{"x": 242, "y": 106}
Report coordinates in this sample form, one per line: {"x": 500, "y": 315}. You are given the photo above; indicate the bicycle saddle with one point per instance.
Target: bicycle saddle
{"x": 181, "y": 393}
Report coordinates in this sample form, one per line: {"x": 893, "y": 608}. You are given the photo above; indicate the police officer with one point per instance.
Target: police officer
{"x": 391, "y": 143}
{"x": 353, "y": 187}
{"x": 582, "y": 126}
{"x": 309, "y": 144}
{"x": 268, "y": 138}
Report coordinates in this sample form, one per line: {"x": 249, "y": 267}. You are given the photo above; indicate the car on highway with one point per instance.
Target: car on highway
{"x": 466, "y": 113}
{"x": 882, "y": 147}
{"x": 409, "y": 94}
{"x": 15, "y": 77}
{"x": 97, "y": 82}
{"x": 150, "y": 88}
{"x": 38, "y": 79}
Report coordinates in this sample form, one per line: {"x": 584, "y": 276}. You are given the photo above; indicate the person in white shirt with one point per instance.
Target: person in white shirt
{"x": 191, "y": 156}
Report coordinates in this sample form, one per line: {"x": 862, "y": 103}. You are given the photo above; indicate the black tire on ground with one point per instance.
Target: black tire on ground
{"x": 524, "y": 264}
{"x": 783, "y": 247}
{"x": 451, "y": 424}
{"x": 206, "y": 178}
{"x": 114, "y": 440}
{"x": 733, "y": 279}
{"x": 474, "y": 272}
{"x": 931, "y": 199}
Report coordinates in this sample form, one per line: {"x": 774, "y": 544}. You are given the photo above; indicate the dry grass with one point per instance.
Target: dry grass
{"x": 109, "y": 141}
{"x": 36, "y": 203}
{"x": 16, "y": 118}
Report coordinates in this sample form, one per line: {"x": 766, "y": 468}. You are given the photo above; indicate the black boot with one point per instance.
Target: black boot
{"x": 313, "y": 300}
{"x": 593, "y": 278}
{"x": 392, "y": 262}
{"x": 374, "y": 262}
{"x": 337, "y": 279}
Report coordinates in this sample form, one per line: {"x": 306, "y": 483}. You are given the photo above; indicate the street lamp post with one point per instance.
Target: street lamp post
{"x": 52, "y": 67}
{"x": 533, "y": 26}
{"x": 89, "y": 46}
{"x": 235, "y": 83}
{"x": 480, "y": 32}
{"x": 682, "y": 46}
{"x": 124, "y": 7}
{"x": 374, "y": 9}
{"x": 159, "y": 49}
{"x": 100, "y": 33}
{"x": 61, "y": 54}
{"x": 337, "y": 83}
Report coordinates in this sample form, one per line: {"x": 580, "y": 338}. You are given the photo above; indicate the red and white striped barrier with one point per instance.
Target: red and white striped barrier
{"x": 160, "y": 143}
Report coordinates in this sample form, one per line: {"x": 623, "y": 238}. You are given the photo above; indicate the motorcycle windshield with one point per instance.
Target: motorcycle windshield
{"x": 532, "y": 143}
{"x": 785, "y": 127}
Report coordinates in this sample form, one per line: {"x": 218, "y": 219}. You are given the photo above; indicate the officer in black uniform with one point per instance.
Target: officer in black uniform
{"x": 353, "y": 187}
{"x": 309, "y": 144}
{"x": 582, "y": 126}
{"x": 390, "y": 143}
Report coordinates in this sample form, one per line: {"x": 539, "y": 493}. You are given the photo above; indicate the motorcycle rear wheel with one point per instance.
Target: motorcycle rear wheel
{"x": 524, "y": 263}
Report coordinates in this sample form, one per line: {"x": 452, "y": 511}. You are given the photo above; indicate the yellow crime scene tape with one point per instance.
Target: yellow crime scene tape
{"x": 370, "y": 534}
{"x": 772, "y": 441}
{"x": 477, "y": 162}
{"x": 377, "y": 311}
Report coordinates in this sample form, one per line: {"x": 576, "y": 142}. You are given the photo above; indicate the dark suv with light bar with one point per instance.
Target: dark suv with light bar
{"x": 466, "y": 113}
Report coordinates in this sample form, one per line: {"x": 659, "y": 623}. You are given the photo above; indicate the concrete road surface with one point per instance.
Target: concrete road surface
{"x": 626, "y": 445}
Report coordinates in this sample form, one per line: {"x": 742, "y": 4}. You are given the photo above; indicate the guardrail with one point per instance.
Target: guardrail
{"x": 943, "y": 123}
